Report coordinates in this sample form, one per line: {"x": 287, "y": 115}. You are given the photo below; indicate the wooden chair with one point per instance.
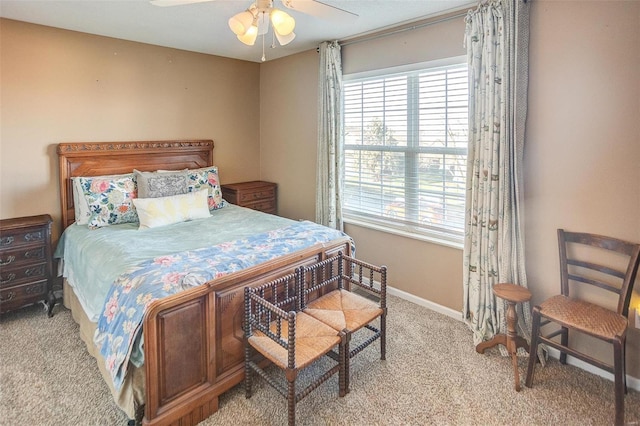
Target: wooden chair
{"x": 292, "y": 340}
{"x": 327, "y": 296}
{"x": 586, "y": 259}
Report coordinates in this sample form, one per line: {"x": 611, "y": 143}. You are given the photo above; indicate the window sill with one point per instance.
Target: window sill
{"x": 407, "y": 234}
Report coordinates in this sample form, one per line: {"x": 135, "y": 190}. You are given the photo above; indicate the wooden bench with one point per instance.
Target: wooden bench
{"x": 348, "y": 295}
{"x": 295, "y": 320}
{"x": 277, "y": 329}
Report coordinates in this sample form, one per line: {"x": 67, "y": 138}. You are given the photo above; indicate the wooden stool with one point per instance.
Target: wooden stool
{"x": 512, "y": 294}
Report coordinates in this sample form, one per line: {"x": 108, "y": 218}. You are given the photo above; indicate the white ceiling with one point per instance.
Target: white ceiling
{"x": 202, "y": 27}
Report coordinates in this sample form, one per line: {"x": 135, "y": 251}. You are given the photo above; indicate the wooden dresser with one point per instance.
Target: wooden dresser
{"x": 257, "y": 195}
{"x": 26, "y": 263}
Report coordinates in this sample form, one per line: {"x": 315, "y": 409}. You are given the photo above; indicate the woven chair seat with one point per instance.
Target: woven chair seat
{"x": 313, "y": 340}
{"x": 344, "y": 310}
{"x": 584, "y": 316}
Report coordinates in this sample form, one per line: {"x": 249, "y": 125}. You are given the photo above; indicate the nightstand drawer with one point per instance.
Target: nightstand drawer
{"x": 17, "y": 275}
{"x": 249, "y": 196}
{"x": 22, "y": 237}
{"x": 20, "y": 256}
{"x": 268, "y": 206}
{"x": 16, "y": 297}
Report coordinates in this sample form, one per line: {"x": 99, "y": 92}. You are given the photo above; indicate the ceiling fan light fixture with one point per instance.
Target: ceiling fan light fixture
{"x": 240, "y": 23}
{"x": 282, "y": 22}
{"x": 249, "y": 38}
{"x": 285, "y": 39}
{"x": 262, "y": 20}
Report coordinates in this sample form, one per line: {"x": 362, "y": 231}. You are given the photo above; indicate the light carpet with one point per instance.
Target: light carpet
{"x": 432, "y": 376}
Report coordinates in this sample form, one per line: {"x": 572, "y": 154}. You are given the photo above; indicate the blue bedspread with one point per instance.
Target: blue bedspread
{"x": 120, "y": 324}
{"x": 94, "y": 258}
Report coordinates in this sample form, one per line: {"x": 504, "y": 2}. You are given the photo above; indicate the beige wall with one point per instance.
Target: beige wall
{"x": 288, "y": 129}
{"x": 582, "y": 158}
{"x": 64, "y": 86}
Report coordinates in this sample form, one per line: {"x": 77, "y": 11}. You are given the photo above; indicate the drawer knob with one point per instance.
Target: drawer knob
{"x": 10, "y": 277}
{"x": 9, "y": 260}
{"x": 9, "y": 296}
{"x": 34, "y": 271}
{"x": 6, "y": 241}
{"x": 35, "y": 254}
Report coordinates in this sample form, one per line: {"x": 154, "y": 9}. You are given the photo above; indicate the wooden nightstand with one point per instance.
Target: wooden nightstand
{"x": 257, "y": 195}
{"x": 26, "y": 263}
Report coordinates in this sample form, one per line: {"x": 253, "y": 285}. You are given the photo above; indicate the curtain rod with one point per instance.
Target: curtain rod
{"x": 391, "y": 32}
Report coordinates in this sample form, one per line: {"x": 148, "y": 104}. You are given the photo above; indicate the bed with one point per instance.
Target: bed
{"x": 191, "y": 339}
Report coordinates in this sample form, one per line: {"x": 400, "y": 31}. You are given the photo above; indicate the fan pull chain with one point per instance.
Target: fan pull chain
{"x": 264, "y": 57}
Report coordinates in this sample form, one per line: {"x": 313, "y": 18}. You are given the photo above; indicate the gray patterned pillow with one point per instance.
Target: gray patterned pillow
{"x": 161, "y": 184}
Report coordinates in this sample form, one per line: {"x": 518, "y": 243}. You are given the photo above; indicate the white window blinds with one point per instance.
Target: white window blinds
{"x": 405, "y": 150}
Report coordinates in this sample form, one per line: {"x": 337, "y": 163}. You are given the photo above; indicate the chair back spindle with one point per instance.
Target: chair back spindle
{"x": 577, "y": 264}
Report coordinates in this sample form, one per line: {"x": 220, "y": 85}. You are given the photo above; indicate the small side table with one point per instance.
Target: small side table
{"x": 512, "y": 294}
{"x": 256, "y": 195}
{"x": 26, "y": 262}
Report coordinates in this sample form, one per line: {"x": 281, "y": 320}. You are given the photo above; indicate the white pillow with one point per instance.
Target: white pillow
{"x": 82, "y": 212}
{"x": 161, "y": 211}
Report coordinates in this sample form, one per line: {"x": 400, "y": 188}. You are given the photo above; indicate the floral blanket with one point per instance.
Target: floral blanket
{"x": 120, "y": 324}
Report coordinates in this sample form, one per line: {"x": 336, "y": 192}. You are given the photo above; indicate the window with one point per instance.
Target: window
{"x": 406, "y": 150}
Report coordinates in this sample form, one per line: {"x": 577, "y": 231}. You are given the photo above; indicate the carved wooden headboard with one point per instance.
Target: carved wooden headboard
{"x": 108, "y": 158}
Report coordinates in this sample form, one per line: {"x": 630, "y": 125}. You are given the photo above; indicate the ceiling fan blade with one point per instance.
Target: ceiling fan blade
{"x": 320, "y": 10}
{"x": 166, "y": 3}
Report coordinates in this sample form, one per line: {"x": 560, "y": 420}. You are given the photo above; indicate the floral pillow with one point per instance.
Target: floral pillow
{"x": 82, "y": 212}
{"x": 206, "y": 177}
{"x": 109, "y": 199}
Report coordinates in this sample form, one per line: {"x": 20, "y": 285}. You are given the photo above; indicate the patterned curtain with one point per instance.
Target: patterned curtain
{"x": 497, "y": 39}
{"x": 329, "y": 182}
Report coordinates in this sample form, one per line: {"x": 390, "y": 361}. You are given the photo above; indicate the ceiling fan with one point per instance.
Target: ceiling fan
{"x": 254, "y": 21}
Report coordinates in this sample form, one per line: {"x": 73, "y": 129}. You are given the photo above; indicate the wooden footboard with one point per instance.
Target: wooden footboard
{"x": 193, "y": 340}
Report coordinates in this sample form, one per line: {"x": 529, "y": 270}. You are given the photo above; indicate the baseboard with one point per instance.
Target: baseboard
{"x": 632, "y": 382}
{"x": 426, "y": 303}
